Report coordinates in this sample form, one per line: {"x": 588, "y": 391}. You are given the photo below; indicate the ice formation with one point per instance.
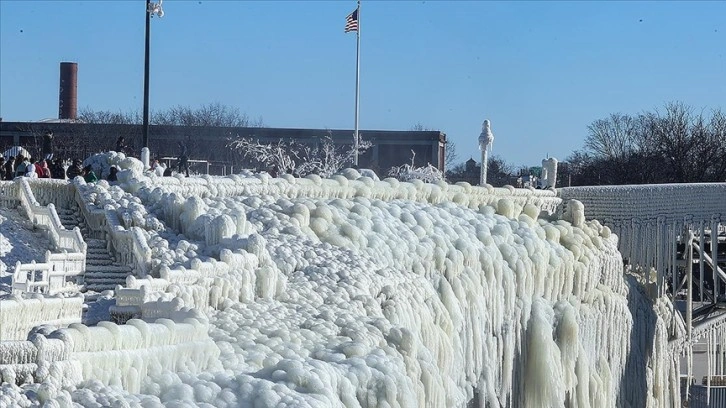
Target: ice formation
{"x": 355, "y": 292}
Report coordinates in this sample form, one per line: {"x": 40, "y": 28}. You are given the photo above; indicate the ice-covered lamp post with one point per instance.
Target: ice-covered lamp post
{"x": 151, "y": 9}
{"x": 485, "y": 142}
{"x": 549, "y": 173}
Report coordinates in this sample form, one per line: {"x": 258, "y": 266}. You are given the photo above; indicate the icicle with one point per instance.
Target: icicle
{"x": 710, "y": 354}
{"x": 714, "y": 256}
{"x": 701, "y": 264}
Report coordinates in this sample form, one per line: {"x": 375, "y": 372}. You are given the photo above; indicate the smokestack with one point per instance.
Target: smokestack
{"x": 68, "y": 92}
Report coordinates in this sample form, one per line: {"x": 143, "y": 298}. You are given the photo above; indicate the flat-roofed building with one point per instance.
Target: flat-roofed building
{"x": 76, "y": 139}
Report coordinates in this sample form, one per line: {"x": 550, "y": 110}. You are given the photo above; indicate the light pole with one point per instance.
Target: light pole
{"x": 151, "y": 9}
{"x": 486, "y": 138}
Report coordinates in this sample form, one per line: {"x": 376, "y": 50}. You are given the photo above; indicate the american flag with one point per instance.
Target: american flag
{"x": 351, "y": 22}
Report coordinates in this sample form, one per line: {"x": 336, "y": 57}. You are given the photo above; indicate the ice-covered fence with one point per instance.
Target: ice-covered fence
{"x": 141, "y": 298}
{"x": 112, "y": 354}
{"x": 124, "y": 354}
{"x": 60, "y": 193}
{"x": 95, "y": 217}
{"x": 59, "y": 273}
{"x": 128, "y": 246}
{"x": 47, "y": 218}
{"x": 344, "y": 186}
{"x": 205, "y": 284}
{"x": 31, "y": 361}
{"x": 352, "y": 185}
{"x": 650, "y": 218}
{"x": 18, "y": 315}
{"x": 31, "y": 277}
{"x": 8, "y": 194}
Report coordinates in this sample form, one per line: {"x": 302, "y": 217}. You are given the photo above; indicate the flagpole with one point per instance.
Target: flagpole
{"x": 357, "y": 86}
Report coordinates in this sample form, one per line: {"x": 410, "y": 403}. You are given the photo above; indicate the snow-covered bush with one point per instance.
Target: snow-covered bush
{"x": 323, "y": 158}
{"x": 407, "y": 172}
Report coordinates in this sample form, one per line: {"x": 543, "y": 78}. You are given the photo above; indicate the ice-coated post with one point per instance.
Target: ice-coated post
{"x": 145, "y": 155}
{"x": 486, "y": 138}
{"x": 549, "y": 172}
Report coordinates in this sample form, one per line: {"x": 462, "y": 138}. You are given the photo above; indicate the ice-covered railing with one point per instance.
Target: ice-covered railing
{"x": 128, "y": 245}
{"x": 8, "y": 194}
{"x": 19, "y": 315}
{"x": 31, "y": 277}
{"x": 124, "y": 354}
{"x": 348, "y": 185}
{"x": 203, "y": 285}
{"x": 33, "y": 361}
{"x": 142, "y": 302}
{"x": 61, "y": 193}
{"x": 51, "y": 276}
{"x": 46, "y": 217}
{"x": 113, "y": 354}
{"x": 61, "y": 272}
{"x": 651, "y": 219}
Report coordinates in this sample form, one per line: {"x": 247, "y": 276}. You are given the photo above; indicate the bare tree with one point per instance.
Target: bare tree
{"x": 614, "y": 137}
{"x": 450, "y": 155}
{"x": 499, "y": 172}
{"x": 323, "y": 158}
{"x": 105, "y": 127}
{"x": 212, "y": 114}
{"x": 88, "y": 115}
{"x": 690, "y": 147}
{"x": 675, "y": 144}
{"x": 99, "y": 138}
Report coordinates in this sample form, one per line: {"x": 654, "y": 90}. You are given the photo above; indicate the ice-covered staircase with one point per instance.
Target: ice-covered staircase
{"x": 102, "y": 271}
{"x": 70, "y": 218}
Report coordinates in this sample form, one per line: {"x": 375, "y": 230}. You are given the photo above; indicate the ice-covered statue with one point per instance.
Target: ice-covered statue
{"x": 486, "y": 138}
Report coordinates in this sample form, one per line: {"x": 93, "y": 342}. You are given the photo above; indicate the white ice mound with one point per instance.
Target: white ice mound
{"x": 385, "y": 294}
{"x": 129, "y": 167}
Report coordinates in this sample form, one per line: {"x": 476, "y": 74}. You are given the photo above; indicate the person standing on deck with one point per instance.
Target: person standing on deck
{"x": 48, "y": 146}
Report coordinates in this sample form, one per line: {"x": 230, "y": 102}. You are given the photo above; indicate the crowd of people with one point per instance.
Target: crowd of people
{"x": 22, "y": 166}
{"x": 50, "y": 166}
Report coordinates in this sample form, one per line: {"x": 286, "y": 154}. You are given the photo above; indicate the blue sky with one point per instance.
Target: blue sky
{"x": 540, "y": 71}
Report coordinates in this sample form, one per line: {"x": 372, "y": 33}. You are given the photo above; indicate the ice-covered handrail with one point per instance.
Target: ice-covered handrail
{"x": 19, "y": 315}
{"x": 47, "y": 218}
{"x": 51, "y": 276}
{"x": 57, "y": 267}
{"x": 107, "y": 352}
{"x": 204, "y": 275}
{"x": 650, "y": 219}
{"x": 350, "y": 186}
{"x": 23, "y": 362}
{"x": 8, "y": 194}
{"x": 110, "y": 352}
{"x": 47, "y": 191}
{"x": 31, "y": 277}
{"x": 128, "y": 245}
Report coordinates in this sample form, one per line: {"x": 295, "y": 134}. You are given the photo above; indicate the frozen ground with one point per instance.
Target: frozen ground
{"x": 18, "y": 242}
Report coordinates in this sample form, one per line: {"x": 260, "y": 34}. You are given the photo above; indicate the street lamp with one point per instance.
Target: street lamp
{"x": 151, "y": 9}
